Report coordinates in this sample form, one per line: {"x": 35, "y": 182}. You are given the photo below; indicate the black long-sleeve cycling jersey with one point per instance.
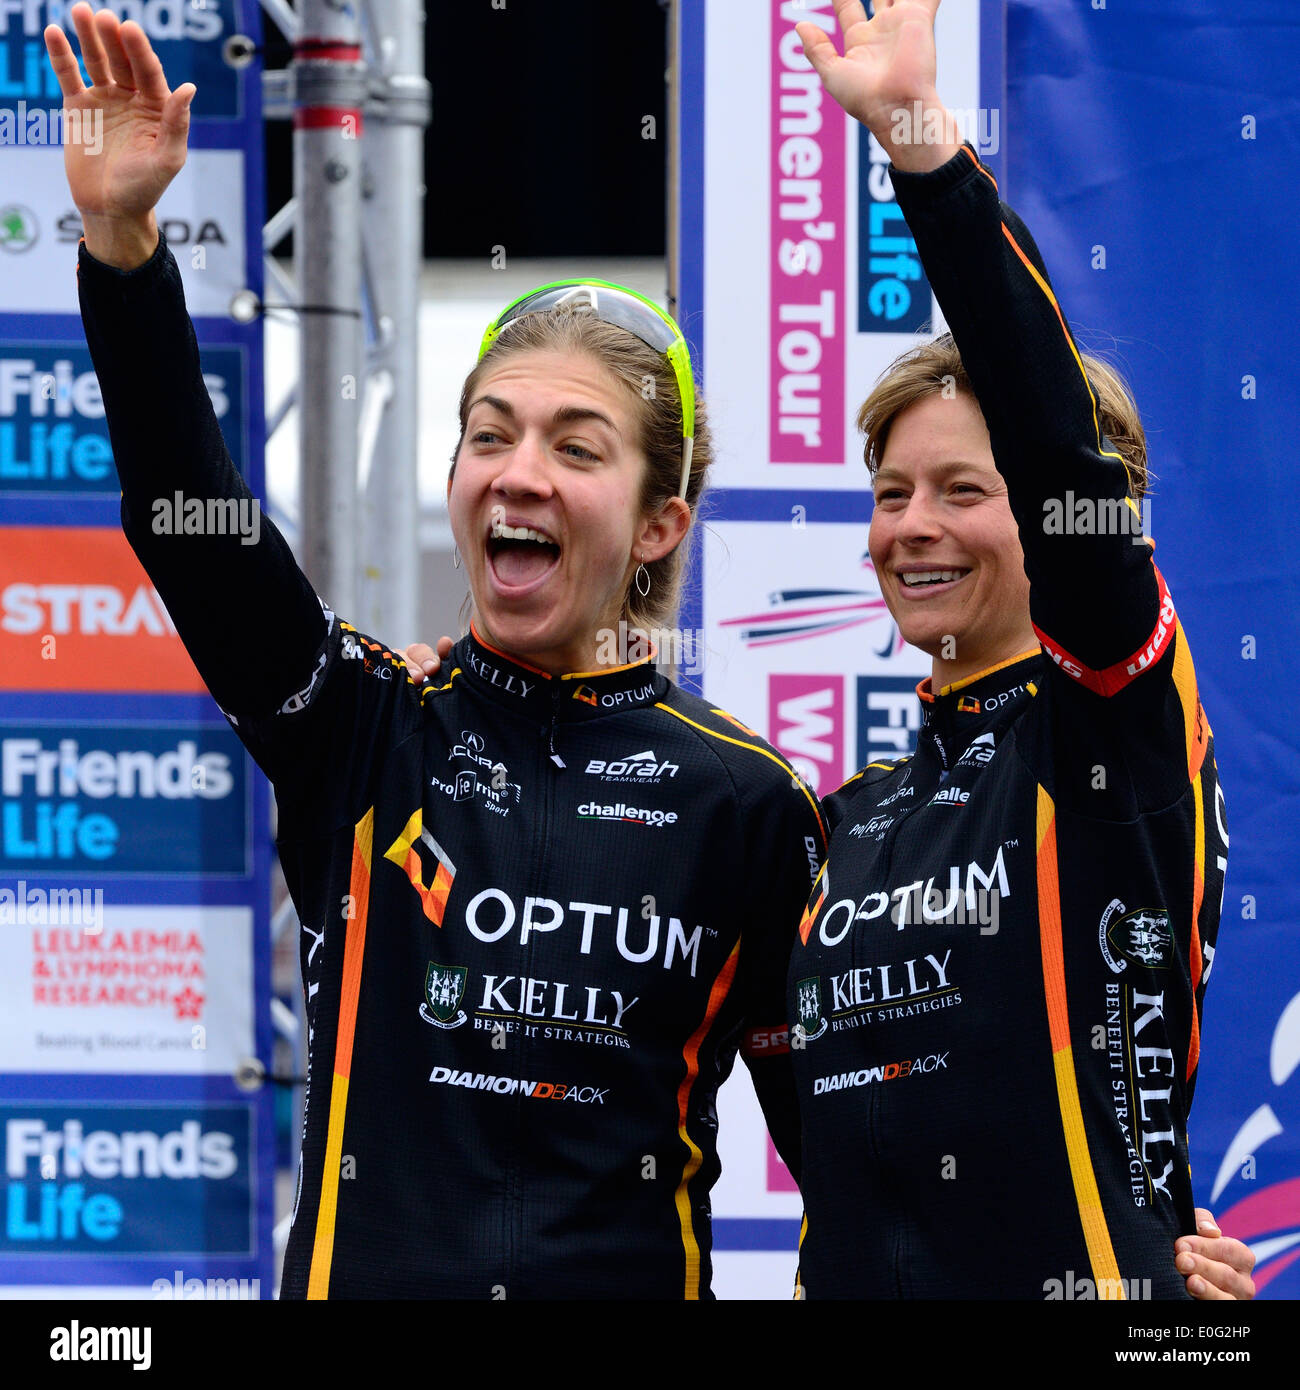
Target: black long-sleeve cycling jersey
{"x": 1001, "y": 969}
{"x": 539, "y": 914}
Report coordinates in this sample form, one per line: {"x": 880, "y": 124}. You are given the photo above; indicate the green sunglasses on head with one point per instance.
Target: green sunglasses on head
{"x": 624, "y": 308}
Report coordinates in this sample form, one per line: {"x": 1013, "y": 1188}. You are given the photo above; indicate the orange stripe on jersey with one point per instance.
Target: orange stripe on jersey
{"x": 318, "y": 1282}
{"x": 1194, "y": 955}
{"x": 1194, "y": 721}
{"x": 1092, "y": 1216}
{"x": 1074, "y": 351}
{"x": 611, "y": 670}
{"x": 1197, "y": 734}
{"x": 536, "y": 670}
{"x": 691, "y": 1055}
{"x": 988, "y": 173}
{"x": 978, "y": 676}
{"x": 811, "y": 909}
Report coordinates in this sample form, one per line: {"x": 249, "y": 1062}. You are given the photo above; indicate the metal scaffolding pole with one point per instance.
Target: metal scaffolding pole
{"x": 392, "y": 233}
{"x": 329, "y": 89}
{"x": 358, "y": 99}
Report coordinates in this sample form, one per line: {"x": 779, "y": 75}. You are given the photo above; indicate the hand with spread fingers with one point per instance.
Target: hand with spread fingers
{"x": 885, "y": 78}
{"x": 116, "y": 184}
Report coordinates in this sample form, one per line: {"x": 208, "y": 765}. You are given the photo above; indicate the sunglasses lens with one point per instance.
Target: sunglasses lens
{"x": 623, "y": 310}
{"x": 610, "y": 306}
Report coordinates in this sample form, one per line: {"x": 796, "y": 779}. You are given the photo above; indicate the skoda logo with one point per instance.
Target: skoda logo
{"x": 17, "y": 228}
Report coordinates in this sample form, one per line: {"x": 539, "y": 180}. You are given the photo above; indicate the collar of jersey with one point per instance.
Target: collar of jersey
{"x": 574, "y": 695}
{"x": 972, "y": 694}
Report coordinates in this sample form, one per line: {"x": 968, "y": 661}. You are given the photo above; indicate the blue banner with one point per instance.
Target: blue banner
{"x": 53, "y": 436}
{"x": 117, "y": 799}
{"x": 134, "y": 829}
{"x": 127, "y": 1180}
{"x": 1152, "y": 155}
{"x": 186, "y": 35}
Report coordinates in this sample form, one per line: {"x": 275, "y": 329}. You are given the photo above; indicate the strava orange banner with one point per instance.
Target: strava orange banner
{"x": 77, "y": 612}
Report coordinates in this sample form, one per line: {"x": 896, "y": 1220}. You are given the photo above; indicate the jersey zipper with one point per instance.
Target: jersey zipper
{"x": 555, "y": 716}
{"x": 549, "y": 764}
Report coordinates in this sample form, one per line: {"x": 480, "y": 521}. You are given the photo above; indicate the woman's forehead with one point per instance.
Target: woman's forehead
{"x": 552, "y": 374}
{"x": 936, "y": 432}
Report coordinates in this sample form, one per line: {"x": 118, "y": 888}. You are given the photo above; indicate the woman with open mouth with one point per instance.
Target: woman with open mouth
{"x": 545, "y": 897}
{"x": 548, "y": 897}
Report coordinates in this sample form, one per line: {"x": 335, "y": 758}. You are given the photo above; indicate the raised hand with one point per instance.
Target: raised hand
{"x": 145, "y": 124}
{"x": 886, "y": 77}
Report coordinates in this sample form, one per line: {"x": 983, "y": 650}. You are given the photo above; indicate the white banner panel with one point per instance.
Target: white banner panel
{"x": 134, "y": 989}
{"x": 811, "y": 282}
{"x": 201, "y": 215}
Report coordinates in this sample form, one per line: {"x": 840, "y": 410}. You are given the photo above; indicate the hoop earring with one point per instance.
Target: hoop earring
{"x": 455, "y": 557}
{"x": 642, "y": 574}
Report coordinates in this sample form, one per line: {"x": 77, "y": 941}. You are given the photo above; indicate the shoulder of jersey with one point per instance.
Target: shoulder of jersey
{"x": 733, "y": 740}
{"x": 878, "y": 771}
{"x": 356, "y": 646}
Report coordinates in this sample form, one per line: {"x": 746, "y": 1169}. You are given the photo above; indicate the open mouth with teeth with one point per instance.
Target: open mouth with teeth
{"x": 520, "y": 555}
{"x": 930, "y": 579}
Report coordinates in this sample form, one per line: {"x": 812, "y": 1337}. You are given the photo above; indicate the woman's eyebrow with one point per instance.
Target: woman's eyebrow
{"x": 944, "y": 469}
{"x": 565, "y": 415}
{"x": 571, "y": 414}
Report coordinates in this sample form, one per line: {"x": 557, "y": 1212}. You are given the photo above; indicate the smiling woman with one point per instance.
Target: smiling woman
{"x": 932, "y": 469}
{"x": 547, "y": 878}
{"x": 1063, "y": 794}
{"x": 571, "y": 433}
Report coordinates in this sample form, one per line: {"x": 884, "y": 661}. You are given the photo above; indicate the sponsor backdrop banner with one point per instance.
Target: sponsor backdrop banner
{"x": 134, "y": 831}
{"x": 798, "y": 283}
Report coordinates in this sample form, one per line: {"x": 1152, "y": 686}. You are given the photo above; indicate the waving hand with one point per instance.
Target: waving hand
{"x": 885, "y": 77}
{"x": 144, "y": 126}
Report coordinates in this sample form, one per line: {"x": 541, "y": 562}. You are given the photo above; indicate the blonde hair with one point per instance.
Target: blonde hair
{"x": 652, "y": 387}
{"x": 936, "y": 367}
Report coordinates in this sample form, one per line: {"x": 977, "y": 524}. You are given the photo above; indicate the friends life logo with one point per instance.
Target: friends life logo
{"x": 94, "y": 1179}
{"x": 53, "y": 434}
{"x": 196, "y": 41}
{"x": 894, "y": 294}
{"x": 133, "y": 799}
